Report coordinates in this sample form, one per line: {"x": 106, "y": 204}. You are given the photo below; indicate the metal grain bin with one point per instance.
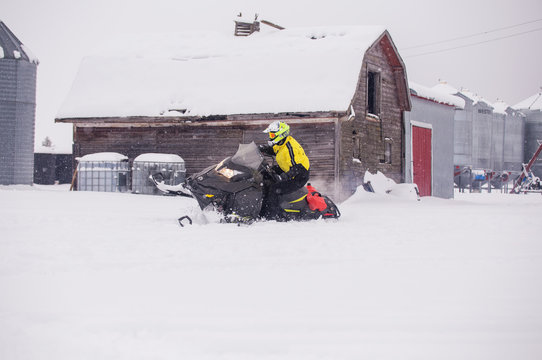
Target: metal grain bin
{"x": 463, "y": 137}
{"x": 171, "y": 167}
{"x": 514, "y": 136}
{"x": 533, "y": 138}
{"x": 18, "y": 69}
{"x": 473, "y": 132}
{"x": 108, "y": 172}
{"x": 497, "y": 141}
{"x": 514, "y": 142}
{"x": 482, "y": 122}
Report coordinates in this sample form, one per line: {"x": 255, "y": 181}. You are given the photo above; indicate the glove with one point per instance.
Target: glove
{"x": 277, "y": 169}
{"x": 265, "y": 149}
{"x": 283, "y": 177}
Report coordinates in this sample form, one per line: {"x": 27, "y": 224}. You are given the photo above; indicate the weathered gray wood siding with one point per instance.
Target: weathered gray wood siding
{"x": 363, "y": 137}
{"x": 203, "y": 145}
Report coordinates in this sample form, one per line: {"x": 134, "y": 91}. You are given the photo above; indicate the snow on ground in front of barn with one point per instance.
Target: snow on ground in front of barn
{"x": 112, "y": 276}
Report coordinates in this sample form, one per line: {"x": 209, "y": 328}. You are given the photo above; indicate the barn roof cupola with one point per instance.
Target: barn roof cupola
{"x": 12, "y": 48}
{"x": 246, "y": 27}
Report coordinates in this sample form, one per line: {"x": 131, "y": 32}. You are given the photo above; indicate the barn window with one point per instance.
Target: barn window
{"x": 356, "y": 145}
{"x": 387, "y": 150}
{"x": 373, "y": 92}
{"x": 387, "y": 153}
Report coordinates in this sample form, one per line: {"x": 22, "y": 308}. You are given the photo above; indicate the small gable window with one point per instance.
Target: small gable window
{"x": 387, "y": 152}
{"x": 356, "y": 145}
{"x": 373, "y": 93}
{"x": 388, "y": 142}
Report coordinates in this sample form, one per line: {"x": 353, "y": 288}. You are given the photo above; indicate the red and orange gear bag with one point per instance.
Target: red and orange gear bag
{"x": 315, "y": 200}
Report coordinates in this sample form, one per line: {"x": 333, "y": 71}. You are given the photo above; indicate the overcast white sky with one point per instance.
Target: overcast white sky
{"x": 61, "y": 32}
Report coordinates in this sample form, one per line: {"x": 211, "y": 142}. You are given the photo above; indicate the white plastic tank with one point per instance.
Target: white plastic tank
{"x": 106, "y": 171}
{"x": 171, "y": 166}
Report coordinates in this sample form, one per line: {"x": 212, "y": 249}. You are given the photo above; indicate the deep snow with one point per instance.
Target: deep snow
{"x": 112, "y": 276}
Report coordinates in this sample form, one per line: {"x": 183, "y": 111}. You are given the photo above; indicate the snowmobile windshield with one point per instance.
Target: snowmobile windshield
{"x": 248, "y": 156}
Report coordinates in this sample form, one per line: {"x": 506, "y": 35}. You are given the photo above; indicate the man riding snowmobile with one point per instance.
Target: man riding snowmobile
{"x": 292, "y": 169}
{"x": 245, "y": 188}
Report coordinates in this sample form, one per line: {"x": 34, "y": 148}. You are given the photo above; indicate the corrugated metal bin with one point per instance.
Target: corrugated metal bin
{"x": 18, "y": 72}
{"x": 170, "y": 165}
{"x": 108, "y": 172}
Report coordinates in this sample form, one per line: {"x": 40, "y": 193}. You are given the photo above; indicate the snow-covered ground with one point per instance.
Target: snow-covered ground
{"x": 112, "y": 276}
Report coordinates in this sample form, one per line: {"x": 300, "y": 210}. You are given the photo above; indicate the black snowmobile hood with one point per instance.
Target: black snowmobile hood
{"x": 231, "y": 176}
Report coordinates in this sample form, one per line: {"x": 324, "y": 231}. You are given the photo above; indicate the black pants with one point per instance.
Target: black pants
{"x": 284, "y": 187}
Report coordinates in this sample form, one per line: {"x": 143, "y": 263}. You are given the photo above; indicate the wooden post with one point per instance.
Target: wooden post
{"x": 73, "y": 179}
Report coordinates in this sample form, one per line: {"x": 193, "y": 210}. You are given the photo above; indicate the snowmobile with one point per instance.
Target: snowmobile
{"x": 237, "y": 188}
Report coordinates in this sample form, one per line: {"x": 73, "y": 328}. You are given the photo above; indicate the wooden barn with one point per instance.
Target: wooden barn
{"x": 342, "y": 90}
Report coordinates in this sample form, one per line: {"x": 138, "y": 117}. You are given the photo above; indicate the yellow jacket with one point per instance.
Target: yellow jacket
{"x": 289, "y": 154}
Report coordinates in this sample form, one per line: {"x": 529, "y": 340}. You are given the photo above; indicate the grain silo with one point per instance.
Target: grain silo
{"x": 513, "y": 141}
{"x": 481, "y": 113}
{"x": 18, "y": 69}
{"x": 473, "y": 130}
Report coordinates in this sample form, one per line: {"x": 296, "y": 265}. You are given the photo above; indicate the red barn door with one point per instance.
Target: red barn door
{"x": 421, "y": 158}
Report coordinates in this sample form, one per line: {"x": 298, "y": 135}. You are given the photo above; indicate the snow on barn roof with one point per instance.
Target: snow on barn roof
{"x": 439, "y": 96}
{"x": 531, "y": 103}
{"x": 447, "y": 88}
{"x": 12, "y": 48}
{"x": 293, "y": 70}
